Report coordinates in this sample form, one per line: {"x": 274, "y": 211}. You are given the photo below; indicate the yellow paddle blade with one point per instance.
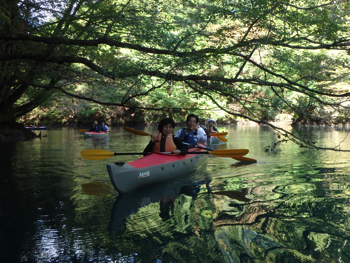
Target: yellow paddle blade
{"x": 244, "y": 159}
{"x": 96, "y": 154}
{"x": 229, "y": 152}
{"x": 222, "y": 138}
{"x": 137, "y": 132}
{"x": 82, "y": 130}
{"x": 219, "y": 133}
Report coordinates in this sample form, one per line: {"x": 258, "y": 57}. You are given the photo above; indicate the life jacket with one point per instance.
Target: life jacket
{"x": 164, "y": 144}
{"x": 104, "y": 128}
{"x": 190, "y": 138}
{"x": 95, "y": 128}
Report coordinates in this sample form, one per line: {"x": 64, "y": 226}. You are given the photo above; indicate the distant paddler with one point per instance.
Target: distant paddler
{"x": 212, "y": 131}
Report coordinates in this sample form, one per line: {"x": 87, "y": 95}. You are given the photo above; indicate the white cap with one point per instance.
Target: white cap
{"x": 211, "y": 120}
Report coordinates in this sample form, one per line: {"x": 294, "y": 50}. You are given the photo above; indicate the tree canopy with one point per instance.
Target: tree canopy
{"x": 251, "y": 59}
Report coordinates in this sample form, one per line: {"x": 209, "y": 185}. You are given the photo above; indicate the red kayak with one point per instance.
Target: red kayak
{"x": 152, "y": 168}
{"x": 95, "y": 134}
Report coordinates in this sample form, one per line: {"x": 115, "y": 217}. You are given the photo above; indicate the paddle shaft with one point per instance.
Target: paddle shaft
{"x": 98, "y": 154}
{"x": 186, "y": 152}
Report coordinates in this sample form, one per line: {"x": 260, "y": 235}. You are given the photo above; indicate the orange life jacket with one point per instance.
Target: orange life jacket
{"x": 164, "y": 144}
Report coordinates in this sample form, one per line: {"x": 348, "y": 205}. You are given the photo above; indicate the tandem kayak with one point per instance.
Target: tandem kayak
{"x": 151, "y": 169}
{"x": 95, "y": 134}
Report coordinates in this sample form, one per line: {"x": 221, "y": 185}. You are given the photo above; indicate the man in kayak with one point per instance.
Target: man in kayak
{"x": 164, "y": 141}
{"x": 193, "y": 134}
{"x": 95, "y": 127}
{"x": 104, "y": 127}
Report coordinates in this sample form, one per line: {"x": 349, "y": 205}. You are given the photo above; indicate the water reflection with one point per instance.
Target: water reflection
{"x": 272, "y": 219}
{"x": 291, "y": 206}
{"x": 162, "y": 194}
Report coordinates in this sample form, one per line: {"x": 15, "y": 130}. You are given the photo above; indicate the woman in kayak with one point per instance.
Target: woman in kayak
{"x": 95, "y": 127}
{"x": 210, "y": 127}
{"x": 164, "y": 141}
{"x": 193, "y": 134}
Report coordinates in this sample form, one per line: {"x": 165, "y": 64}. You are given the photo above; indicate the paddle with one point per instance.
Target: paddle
{"x": 137, "y": 132}
{"x": 221, "y": 138}
{"x": 244, "y": 159}
{"x": 219, "y": 133}
{"x": 97, "y": 154}
{"x": 238, "y": 158}
{"x": 142, "y": 133}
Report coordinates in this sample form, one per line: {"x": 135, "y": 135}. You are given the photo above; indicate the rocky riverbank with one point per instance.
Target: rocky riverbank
{"x": 16, "y": 134}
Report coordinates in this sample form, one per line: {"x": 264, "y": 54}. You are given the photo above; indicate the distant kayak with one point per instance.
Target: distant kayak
{"x": 95, "y": 134}
{"x": 36, "y": 128}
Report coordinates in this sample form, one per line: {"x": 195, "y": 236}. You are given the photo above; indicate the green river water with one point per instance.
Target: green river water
{"x": 57, "y": 207}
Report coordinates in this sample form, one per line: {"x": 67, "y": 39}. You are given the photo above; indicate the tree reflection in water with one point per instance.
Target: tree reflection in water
{"x": 286, "y": 223}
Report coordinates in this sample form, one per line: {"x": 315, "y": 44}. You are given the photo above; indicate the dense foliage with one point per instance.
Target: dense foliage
{"x": 255, "y": 60}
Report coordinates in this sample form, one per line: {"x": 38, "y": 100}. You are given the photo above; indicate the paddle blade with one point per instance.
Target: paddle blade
{"x": 219, "y": 133}
{"x": 82, "y": 130}
{"x": 222, "y": 138}
{"x": 244, "y": 159}
{"x": 137, "y": 132}
{"x": 96, "y": 154}
{"x": 229, "y": 152}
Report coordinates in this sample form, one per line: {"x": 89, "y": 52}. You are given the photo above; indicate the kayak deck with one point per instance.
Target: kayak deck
{"x": 152, "y": 168}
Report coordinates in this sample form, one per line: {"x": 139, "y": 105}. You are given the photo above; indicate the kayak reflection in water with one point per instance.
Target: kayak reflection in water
{"x": 166, "y": 204}
{"x": 164, "y": 140}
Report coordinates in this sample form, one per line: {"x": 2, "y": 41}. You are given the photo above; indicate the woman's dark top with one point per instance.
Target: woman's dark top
{"x": 95, "y": 128}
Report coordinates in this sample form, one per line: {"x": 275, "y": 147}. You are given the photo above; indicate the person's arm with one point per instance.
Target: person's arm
{"x": 149, "y": 148}
{"x": 179, "y": 144}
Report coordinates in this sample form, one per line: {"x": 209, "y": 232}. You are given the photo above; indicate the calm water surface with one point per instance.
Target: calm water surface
{"x": 57, "y": 207}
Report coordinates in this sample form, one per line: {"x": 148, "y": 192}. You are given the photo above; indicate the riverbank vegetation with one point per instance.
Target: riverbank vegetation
{"x": 68, "y": 62}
